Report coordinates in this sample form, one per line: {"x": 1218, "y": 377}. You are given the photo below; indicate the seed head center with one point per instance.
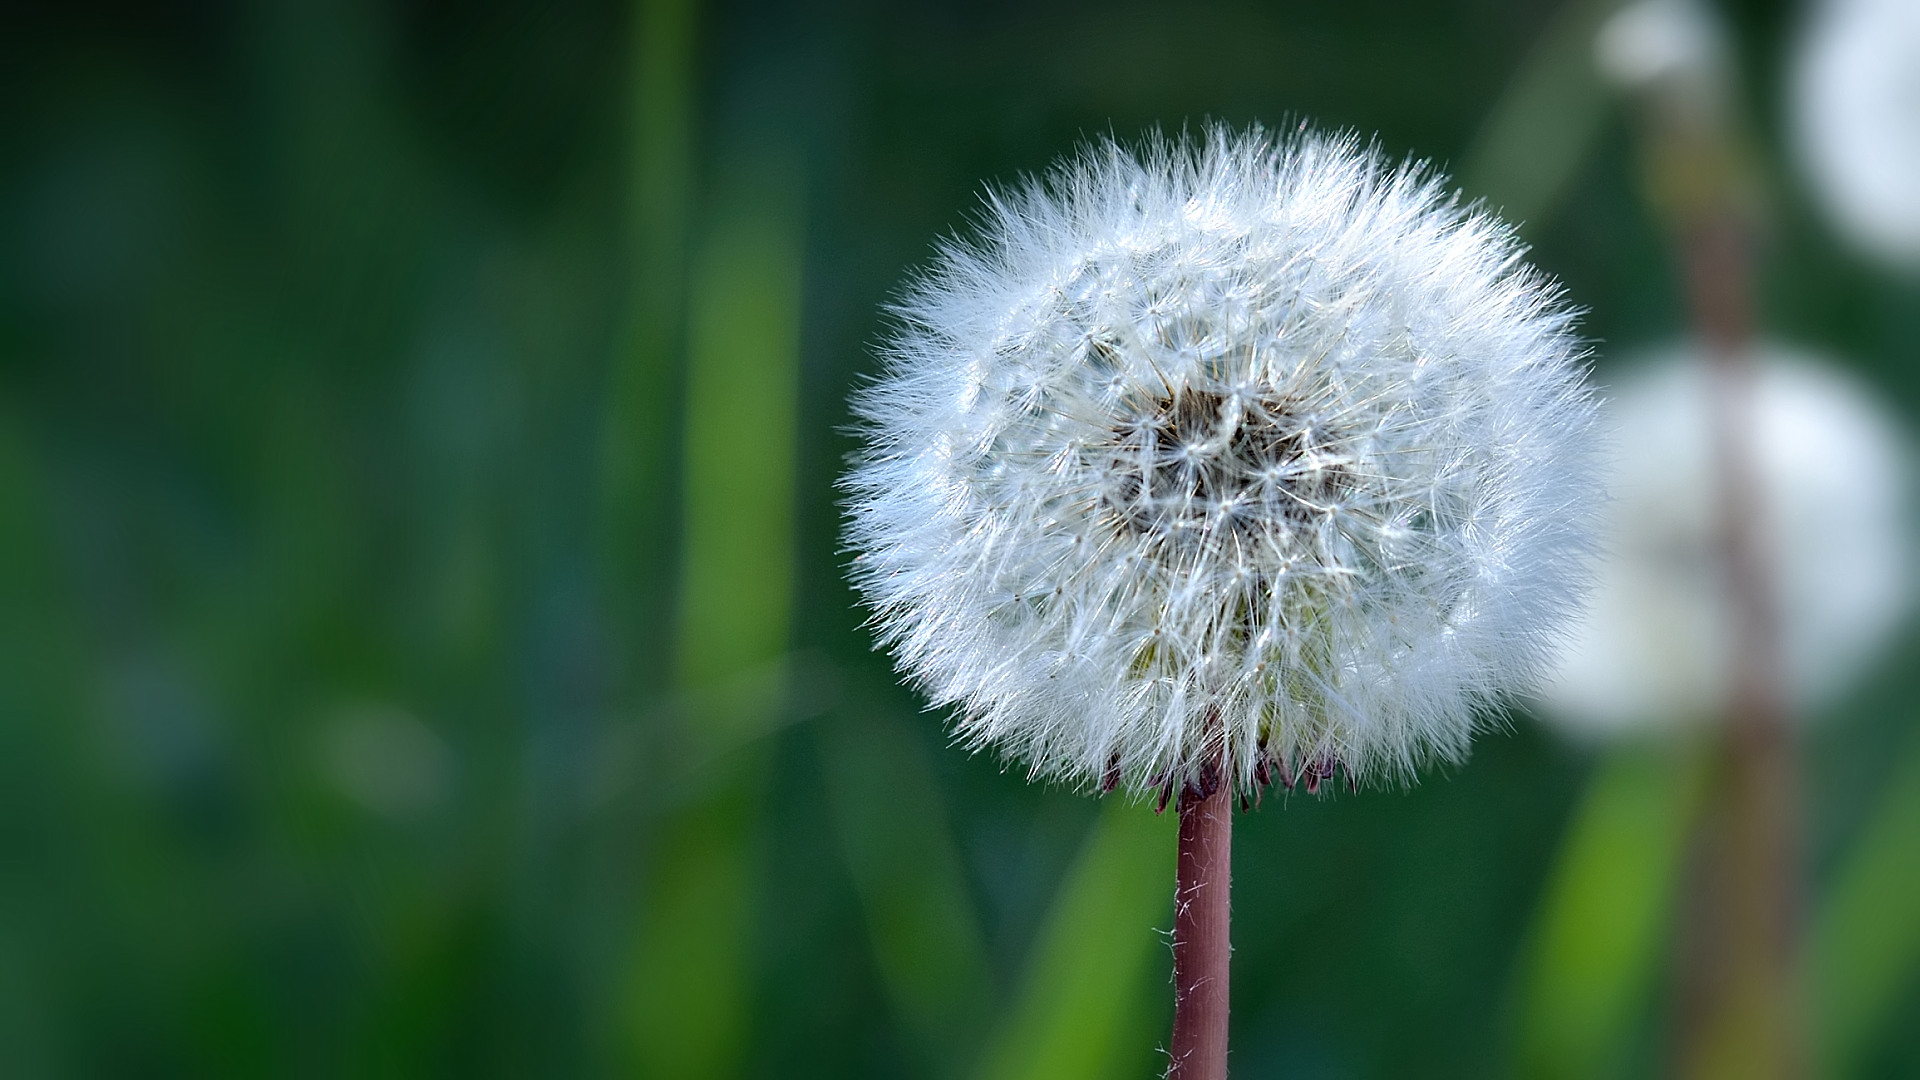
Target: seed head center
{"x": 1202, "y": 465}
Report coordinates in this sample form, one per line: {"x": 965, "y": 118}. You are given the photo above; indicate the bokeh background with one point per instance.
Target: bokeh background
{"x": 424, "y": 648}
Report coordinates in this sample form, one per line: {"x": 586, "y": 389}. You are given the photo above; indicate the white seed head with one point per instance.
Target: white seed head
{"x": 1650, "y": 42}
{"x": 1653, "y": 650}
{"x": 1235, "y": 457}
{"x": 1855, "y": 111}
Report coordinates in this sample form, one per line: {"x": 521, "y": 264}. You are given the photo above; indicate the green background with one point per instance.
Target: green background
{"x": 424, "y": 648}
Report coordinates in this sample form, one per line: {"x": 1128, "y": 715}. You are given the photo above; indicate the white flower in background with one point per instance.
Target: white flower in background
{"x": 1660, "y": 41}
{"x": 1245, "y": 454}
{"x": 1856, "y": 120}
{"x": 1654, "y": 646}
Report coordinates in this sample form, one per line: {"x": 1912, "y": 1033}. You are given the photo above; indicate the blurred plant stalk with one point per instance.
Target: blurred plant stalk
{"x": 1738, "y": 992}
{"x": 1087, "y": 996}
{"x": 689, "y": 983}
{"x": 692, "y": 983}
{"x": 1593, "y": 952}
{"x": 1537, "y": 137}
{"x": 1866, "y": 941}
{"x": 636, "y": 435}
{"x": 905, "y": 866}
{"x": 691, "y": 980}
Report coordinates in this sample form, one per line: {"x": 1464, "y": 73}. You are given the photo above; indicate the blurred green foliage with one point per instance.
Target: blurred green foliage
{"x": 1589, "y": 970}
{"x": 423, "y": 645}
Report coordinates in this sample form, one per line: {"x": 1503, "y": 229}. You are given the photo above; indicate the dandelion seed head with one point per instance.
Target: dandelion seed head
{"x": 1240, "y": 453}
{"x": 1854, "y": 108}
{"x": 1653, "y": 648}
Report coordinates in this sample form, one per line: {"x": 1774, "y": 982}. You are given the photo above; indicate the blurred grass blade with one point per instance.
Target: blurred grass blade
{"x": 643, "y": 384}
{"x": 743, "y": 343}
{"x": 688, "y": 1007}
{"x": 925, "y": 933}
{"x": 1533, "y": 142}
{"x": 1082, "y": 1010}
{"x": 1866, "y": 943}
{"x": 690, "y": 990}
{"x": 664, "y": 49}
{"x": 1593, "y": 951}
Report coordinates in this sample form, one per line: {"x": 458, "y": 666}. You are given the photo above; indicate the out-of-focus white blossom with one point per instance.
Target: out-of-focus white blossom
{"x": 1856, "y": 121}
{"x": 1231, "y": 458}
{"x": 1651, "y": 42}
{"x": 1653, "y": 649}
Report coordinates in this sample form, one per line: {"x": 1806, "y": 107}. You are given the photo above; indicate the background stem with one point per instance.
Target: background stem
{"x": 1201, "y": 948}
{"x": 1739, "y": 1012}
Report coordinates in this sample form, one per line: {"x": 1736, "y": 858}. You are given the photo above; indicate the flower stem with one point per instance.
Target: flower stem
{"x": 1200, "y": 943}
{"x": 1738, "y": 992}
{"x": 1737, "y": 998}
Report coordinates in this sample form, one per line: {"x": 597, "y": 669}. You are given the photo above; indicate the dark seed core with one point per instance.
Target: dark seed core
{"x": 1203, "y": 465}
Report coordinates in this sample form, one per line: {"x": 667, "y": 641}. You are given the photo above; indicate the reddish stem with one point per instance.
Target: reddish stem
{"x": 1739, "y": 966}
{"x": 1200, "y": 942}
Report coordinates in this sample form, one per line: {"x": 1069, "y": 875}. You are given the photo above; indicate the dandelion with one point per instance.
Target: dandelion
{"x": 1230, "y": 454}
{"x": 1653, "y": 647}
{"x": 1855, "y": 108}
{"x": 1656, "y": 659}
{"x": 1233, "y": 460}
